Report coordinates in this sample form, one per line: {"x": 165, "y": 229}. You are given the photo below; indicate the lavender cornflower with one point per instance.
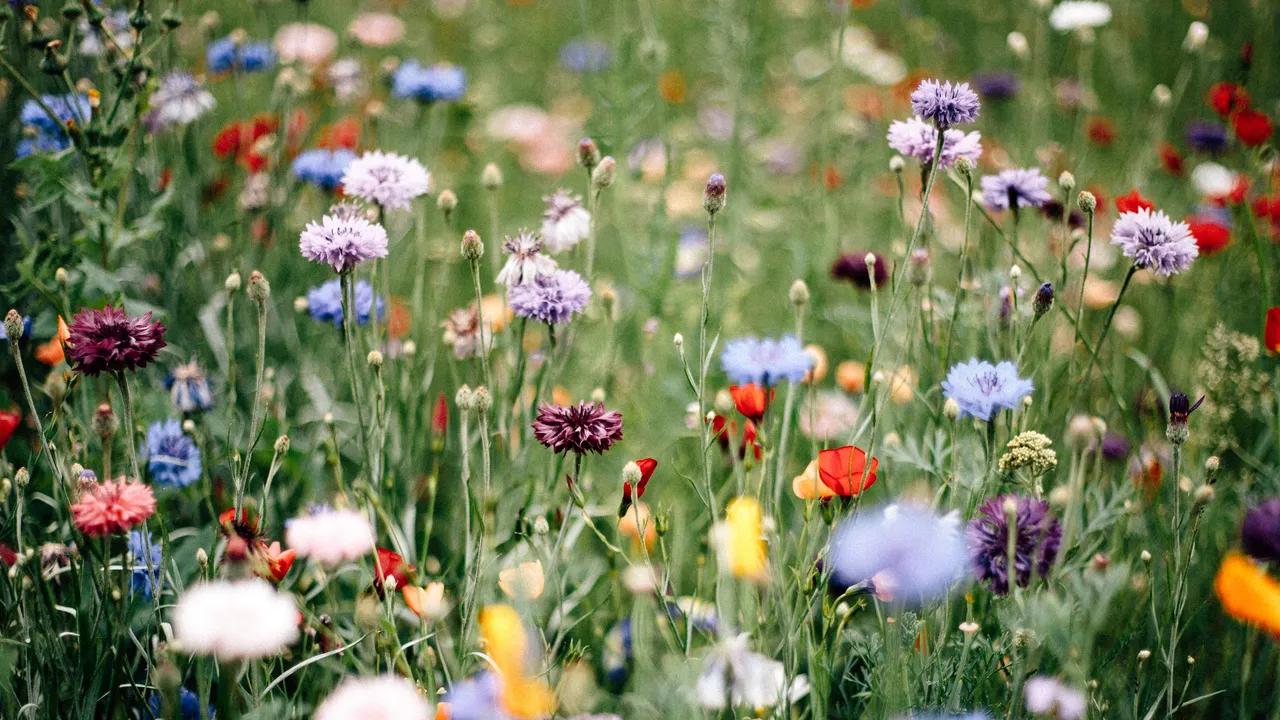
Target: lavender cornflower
{"x": 173, "y": 459}
{"x": 1036, "y": 535}
{"x": 231, "y": 54}
{"x": 324, "y": 302}
{"x": 901, "y": 552}
{"x": 343, "y": 239}
{"x": 582, "y": 428}
{"x": 565, "y": 223}
{"x": 585, "y": 56}
{"x": 945, "y": 104}
{"x": 478, "y": 697}
{"x": 855, "y": 268}
{"x": 553, "y": 298}
{"x": 765, "y": 361}
{"x": 1155, "y": 242}
{"x": 525, "y": 261}
{"x": 1260, "y": 532}
{"x": 388, "y": 180}
{"x": 1015, "y": 188}
{"x": 179, "y": 100}
{"x": 189, "y": 388}
{"x": 108, "y": 340}
{"x": 1207, "y": 136}
{"x": 1000, "y": 85}
{"x": 917, "y": 139}
{"x": 982, "y": 389}
{"x": 147, "y": 563}
{"x": 1048, "y": 697}
{"x": 93, "y": 40}
{"x": 437, "y": 83}
{"x": 321, "y": 167}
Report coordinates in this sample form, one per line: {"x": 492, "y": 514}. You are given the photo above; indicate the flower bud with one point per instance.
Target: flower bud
{"x": 328, "y": 419}
{"x": 604, "y": 173}
{"x": 189, "y": 426}
{"x": 1018, "y": 44}
{"x": 799, "y": 293}
{"x": 104, "y": 422}
{"x": 897, "y": 164}
{"x": 232, "y": 282}
{"x": 1067, "y": 181}
{"x": 1203, "y": 495}
{"x": 965, "y": 167}
{"x": 259, "y": 289}
{"x": 301, "y": 304}
{"x": 1043, "y": 300}
{"x": 1197, "y": 36}
{"x": 1144, "y": 655}
{"x": 678, "y": 341}
{"x": 472, "y": 246}
{"x": 62, "y": 277}
{"x": 282, "y": 445}
{"x": 588, "y": 154}
{"x": 481, "y": 399}
{"x": 22, "y": 478}
{"x": 1087, "y": 201}
{"x": 446, "y": 202}
{"x": 713, "y": 197}
{"x": 13, "y": 325}
{"x": 464, "y": 398}
{"x": 374, "y": 358}
{"x": 951, "y": 409}
{"x": 1145, "y": 556}
{"x": 918, "y": 267}
{"x": 491, "y": 177}
{"x": 1161, "y": 95}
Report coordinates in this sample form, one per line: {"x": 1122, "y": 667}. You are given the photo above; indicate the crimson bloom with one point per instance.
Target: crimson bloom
{"x": 1171, "y": 159}
{"x": 1211, "y": 235}
{"x": 1227, "y": 97}
{"x": 1252, "y": 127}
{"x": 845, "y": 471}
{"x": 390, "y": 564}
{"x": 1271, "y": 334}
{"x": 9, "y": 421}
{"x": 1133, "y": 201}
{"x": 112, "y": 507}
{"x": 108, "y": 340}
{"x": 647, "y": 467}
{"x": 752, "y": 400}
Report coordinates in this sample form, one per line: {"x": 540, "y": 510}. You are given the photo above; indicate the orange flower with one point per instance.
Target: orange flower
{"x": 1247, "y": 593}
{"x": 809, "y": 486}
{"x": 844, "y": 470}
{"x": 672, "y": 87}
{"x": 752, "y": 400}
{"x": 1271, "y": 335}
{"x": 50, "y": 353}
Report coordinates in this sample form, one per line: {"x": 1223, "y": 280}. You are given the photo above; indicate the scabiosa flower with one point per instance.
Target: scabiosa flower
{"x": 386, "y": 179}
{"x": 1207, "y": 136}
{"x": 854, "y": 268}
{"x": 179, "y": 100}
{"x": 189, "y": 388}
{"x": 147, "y": 560}
{"x": 1036, "y": 537}
{"x": 343, "y": 239}
{"x": 324, "y": 302}
{"x": 1155, "y": 242}
{"x": 565, "y": 223}
{"x": 917, "y": 139}
{"x": 108, "y": 340}
{"x": 322, "y": 168}
{"x": 228, "y": 54}
{"x": 525, "y": 261}
{"x": 902, "y": 552}
{"x": 235, "y": 620}
{"x": 582, "y": 428}
{"x": 1260, "y": 533}
{"x": 384, "y": 697}
{"x": 585, "y": 56}
{"x": 553, "y": 298}
{"x": 982, "y": 389}
{"x": 111, "y": 507}
{"x": 765, "y": 361}
{"x": 1079, "y": 14}
{"x": 173, "y": 460}
{"x": 330, "y": 536}
{"x": 999, "y": 85}
{"x": 1016, "y": 187}
{"x": 945, "y": 104}
{"x": 437, "y": 83}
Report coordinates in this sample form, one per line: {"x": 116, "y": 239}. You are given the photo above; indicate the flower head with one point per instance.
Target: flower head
{"x": 179, "y": 100}
{"x": 231, "y": 54}
{"x": 902, "y": 552}
{"x": 1047, "y": 696}
{"x": 565, "y": 222}
{"x": 464, "y": 332}
{"x": 735, "y": 676}
{"x": 752, "y": 400}
{"x": 525, "y": 261}
{"x": 996, "y": 85}
{"x": 585, "y": 56}
{"x": 982, "y": 389}
{"x": 1079, "y": 14}
{"x": 854, "y": 268}
{"x": 375, "y": 29}
{"x": 383, "y": 697}
{"x": 1016, "y": 187}
{"x": 108, "y": 340}
{"x": 311, "y": 44}
{"x": 9, "y": 421}
{"x": 553, "y": 298}
{"x": 845, "y": 471}
{"x": 1207, "y": 136}
{"x": 945, "y": 104}
{"x": 321, "y": 167}
{"x": 437, "y": 83}
{"x": 112, "y": 507}
{"x": 324, "y": 302}
{"x": 765, "y": 361}
{"x": 146, "y": 565}
{"x": 829, "y": 415}
{"x": 582, "y": 428}
{"x": 386, "y": 179}
{"x": 1036, "y": 535}
{"x": 523, "y": 694}
{"x": 173, "y": 460}
{"x": 739, "y": 540}
{"x": 1030, "y": 451}
{"x": 1155, "y": 242}
{"x": 343, "y": 239}
{"x": 1260, "y": 533}
{"x": 235, "y": 620}
{"x": 1248, "y": 593}
{"x": 330, "y": 536}
{"x": 915, "y": 138}
{"x": 189, "y": 388}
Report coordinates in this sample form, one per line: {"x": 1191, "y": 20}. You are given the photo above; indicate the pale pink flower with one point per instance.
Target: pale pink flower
{"x": 376, "y": 30}
{"x": 307, "y": 43}
{"x": 383, "y": 697}
{"x": 235, "y": 620}
{"x": 330, "y": 536}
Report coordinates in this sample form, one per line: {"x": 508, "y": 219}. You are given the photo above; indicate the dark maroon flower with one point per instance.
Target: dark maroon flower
{"x": 1260, "y": 533}
{"x": 582, "y": 428}
{"x": 108, "y": 340}
{"x": 1037, "y": 535}
{"x": 854, "y": 268}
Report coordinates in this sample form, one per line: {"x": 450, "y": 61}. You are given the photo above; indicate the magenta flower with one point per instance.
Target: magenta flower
{"x": 108, "y": 340}
{"x": 582, "y": 428}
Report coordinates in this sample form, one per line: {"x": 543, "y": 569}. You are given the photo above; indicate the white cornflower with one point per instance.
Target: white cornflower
{"x": 1155, "y": 242}
{"x": 1079, "y": 14}
{"x": 386, "y": 179}
{"x": 525, "y": 261}
{"x": 330, "y": 536}
{"x": 235, "y": 620}
{"x": 179, "y": 100}
{"x": 382, "y": 697}
{"x": 565, "y": 223}
{"x": 734, "y": 676}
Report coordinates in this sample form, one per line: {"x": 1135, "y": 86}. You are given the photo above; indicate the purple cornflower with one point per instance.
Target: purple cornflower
{"x": 553, "y": 298}
{"x": 1155, "y": 242}
{"x": 945, "y": 104}
{"x": 1036, "y": 534}
{"x": 585, "y": 56}
{"x": 1260, "y": 533}
{"x": 321, "y": 167}
{"x": 854, "y": 268}
{"x": 1207, "y": 136}
{"x": 902, "y": 552}
{"x": 982, "y": 389}
{"x": 343, "y": 239}
{"x": 437, "y": 83}
{"x": 388, "y": 180}
{"x": 189, "y": 388}
{"x": 582, "y": 428}
{"x": 1016, "y": 187}
{"x": 108, "y": 340}
{"x": 478, "y": 697}
{"x": 324, "y": 302}
{"x": 1115, "y": 446}
{"x": 999, "y": 85}
{"x": 917, "y": 139}
{"x": 765, "y": 361}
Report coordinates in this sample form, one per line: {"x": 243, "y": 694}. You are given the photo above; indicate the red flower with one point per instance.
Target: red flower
{"x": 440, "y": 416}
{"x": 391, "y": 565}
{"x": 721, "y": 429}
{"x": 749, "y": 442}
{"x": 1225, "y": 98}
{"x": 647, "y": 467}
{"x": 752, "y": 400}
{"x": 1271, "y": 335}
{"x": 844, "y": 470}
{"x": 9, "y": 421}
{"x": 273, "y": 563}
{"x": 1133, "y": 202}
{"x": 7, "y": 556}
{"x": 1101, "y": 130}
{"x": 1171, "y": 159}
{"x": 1252, "y": 127}
{"x": 343, "y": 134}
{"x": 1211, "y": 235}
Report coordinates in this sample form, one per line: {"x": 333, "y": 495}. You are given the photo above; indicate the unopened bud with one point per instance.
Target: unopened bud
{"x": 491, "y": 177}
{"x": 104, "y": 421}
{"x": 259, "y": 289}
{"x": 897, "y": 164}
{"x": 918, "y": 267}
{"x": 1203, "y": 494}
{"x": 1018, "y": 44}
{"x": 588, "y": 154}
{"x": 1087, "y": 201}
{"x": 678, "y": 341}
{"x": 799, "y": 293}
{"x": 188, "y": 426}
{"x": 713, "y": 197}
{"x": 1145, "y": 556}
{"x": 202, "y": 558}
{"x": 13, "y": 325}
{"x": 446, "y": 202}
{"x": 464, "y": 398}
{"x": 62, "y": 276}
{"x": 481, "y": 399}
{"x": 951, "y": 409}
{"x": 965, "y": 166}
{"x": 301, "y": 304}
{"x": 232, "y": 282}
{"x": 22, "y": 478}
{"x": 1067, "y": 181}
{"x": 374, "y": 358}
{"x": 1144, "y": 655}
{"x": 472, "y": 245}
{"x": 1197, "y": 36}
{"x": 1161, "y": 95}
{"x": 605, "y": 173}
{"x": 282, "y": 445}
{"x": 597, "y": 395}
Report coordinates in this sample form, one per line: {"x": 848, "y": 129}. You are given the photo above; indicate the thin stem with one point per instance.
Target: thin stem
{"x": 126, "y": 397}
{"x": 348, "y": 332}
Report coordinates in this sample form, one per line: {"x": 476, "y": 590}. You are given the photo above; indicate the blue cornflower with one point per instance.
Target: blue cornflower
{"x": 322, "y": 168}
{"x": 225, "y": 55}
{"x": 618, "y": 653}
{"x": 765, "y": 361}
{"x": 173, "y": 460}
{"x": 982, "y": 389}
{"x": 999, "y": 85}
{"x": 188, "y": 706}
{"x": 437, "y": 83}
{"x": 189, "y": 388}
{"x": 585, "y": 56}
{"x": 146, "y": 572}
{"x": 324, "y": 302}
{"x": 902, "y": 552}
{"x": 1015, "y": 187}
{"x": 41, "y": 142}
{"x": 1207, "y": 136}
{"x": 944, "y": 103}
{"x": 68, "y": 108}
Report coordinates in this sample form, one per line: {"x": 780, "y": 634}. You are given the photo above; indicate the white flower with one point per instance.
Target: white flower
{"x": 179, "y": 99}
{"x": 309, "y": 43}
{"x": 565, "y": 223}
{"x": 235, "y": 620}
{"x": 347, "y": 78}
{"x": 1213, "y": 180}
{"x": 525, "y": 261}
{"x": 735, "y": 676}
{"x": 831, "y": 415}
{"x": 1079, "y": 14}
{"x": 1047, "y": 696}
{"x": 330, "y": 536}
{"x": 383, "y": 697}
{"x": 386, "y": 179}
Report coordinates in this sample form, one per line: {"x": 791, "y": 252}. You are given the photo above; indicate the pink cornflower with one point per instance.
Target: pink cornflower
{"x": 330, "y": 536}
{"x": 112, "y": 507}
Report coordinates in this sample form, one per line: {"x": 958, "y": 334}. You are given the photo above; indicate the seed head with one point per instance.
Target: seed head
{"x": 259, "y": 289}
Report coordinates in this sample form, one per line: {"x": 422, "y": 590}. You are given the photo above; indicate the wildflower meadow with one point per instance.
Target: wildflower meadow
{"x": 639, "y": 359}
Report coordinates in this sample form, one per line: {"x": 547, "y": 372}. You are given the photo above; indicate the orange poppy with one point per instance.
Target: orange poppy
{"x": 845, "y": 471}
{"x": 1248, "y": 593}
{"x": 752, "y": 400}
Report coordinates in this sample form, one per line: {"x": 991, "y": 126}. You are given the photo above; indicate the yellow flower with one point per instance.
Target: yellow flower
{"x": 808, "y": 485}
{"x": 1247, "y": 593}
{"x": 523, "y": 697}
{"x": 524, "y": 581}
{"x": 742, "y": 540}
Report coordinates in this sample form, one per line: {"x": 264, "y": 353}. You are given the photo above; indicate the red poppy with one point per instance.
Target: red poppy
{"x": 9, "y": 421}
{"x": 647, "y": 467}
{"x": 1226, "y": 97}
{"x": 273, "y": 563}
{"x": 844, "y": 470}
{"x": 1211, "y": 235}
{"x": 8, "y": 557}
{"x": 391, "y": 565}
{"x": 1101, "y": 130}
{"x": 1171, "y": 159}
{"x": 752, "y": 400}
{"x": 1252, "y": 127}
{"x": 1132, "y": 201}
{"x": 749, "y": 442}
{"x": 1271, "y": 335}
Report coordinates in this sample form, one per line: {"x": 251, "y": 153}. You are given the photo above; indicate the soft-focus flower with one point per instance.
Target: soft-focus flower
{"x": 1226, "y": 97}
{"x": 179, "y": 100}
{"x": 582, "y": 428}
{"x": 376, "y": 30}
{"x": 188, "y": 706}
{"x": 229, "y": 54}
{"x": 1155, "y": 242}
{"x": 388, "y": 180}
{"x": 945, "y": 104}
{"x": 464, "y": 332}
{"x": 147, "y": 563}
{"x": 426, "y": 602}
{"x": 108, "y": 340}
{"x": 1079, "y": 14}
{"x": 235, "y": 620}
{"x": 1132, "y": 201}
{"x": 172, "y": 457}
{"x": 330, "y": 536}
{"x": 1252, "y": 127}
{"x": 525, "y": 261}
{"x": 808, "y": 485}
{"x": 1271, "y": 330}
{"x": 915, "y": 138}
{"x": 389, "y": 564}
{"x": 1036, "y": 537}
{"x": 51, "y": 352}
{"x": 851, "y": 376}
{"x": 734, "y": 676}
{"x": 765, "y": 361}
{"x": 324, "y": 302}
{"x": 553, "y": 298}
{"x": 585, "y": 56}
{"x": 1248, "y": 593}
{"x": 1016, "y": 187}
{"x": 902, "y": 552}
{"x": 189, "y": 388}
{"x": 112, "y": 507}
{"x": 845, "y": 471}
{"x": 523, "y": 694}
{"x": 1210, "y": 234}
{"x": 311, "y": 44}
{"x": 346, "y": 76}
{"x": 9, "y": 421}
{"x": 437, "y": 83}
{"x": 752, "y": 400}
{"x": 1207, "y": 136}
{"x": 855, "y": 268}
{"x": 322, "y": 168}
{"x": 996, "y": 85}
{"x": 638, "y": 524}
{"x": 1213, "y": 180}
{"x": 565, "y": 222}
{"x": 383, "y": 697}
{"x": 1260, "y": 532}
{"x": 343, "y": 239}
{"x": 739, "y": 540}
{"x": 524, "y": 581}
{"x": 475, "y": 698}
{"x": 982, "y": 389}
{"x": 1047, "y": 696}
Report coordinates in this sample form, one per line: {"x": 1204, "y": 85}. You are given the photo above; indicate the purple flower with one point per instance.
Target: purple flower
{"x": 944, "y": 103}
{"x": 386, "y": 179}
{"x": 982, "y": 389}
{"x": 1260, "y": 533}
{"x": 1207, "y": 136}
{"x": 108, "y": 340}
{"x": 1016, "y": 187}
{"x": 1155, "y": 242}
{"x": 1115, "y": 446}
{"x": 853, "y": 267}
{"x": 917, "y": 139}
{"x": 1036, "y": 534}
{"x": 765, "y": 361}
{"x": 903, "y": 552}
{"x": 582, "y": 428}
{"x": 478, "y": 697}
{"x": 1000, "y": 85}
{"x": 343, "y": 239}
{"x": 553, "y": 298}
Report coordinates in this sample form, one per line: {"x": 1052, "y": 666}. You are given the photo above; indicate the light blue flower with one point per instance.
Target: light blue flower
{"x": 324, "y": 302}
{"x": 982, "y": 389}
{"x": 189, "y": 388}
{"x": 437, "y": 83}
{"x": 322, "y": 168}
{"x": 173, "y": 460}
{"x": 225, "y": 55}
{"x": 902, "y": 552}
{"x": 765, "y": 361}
{"x": 146, "y": 572}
